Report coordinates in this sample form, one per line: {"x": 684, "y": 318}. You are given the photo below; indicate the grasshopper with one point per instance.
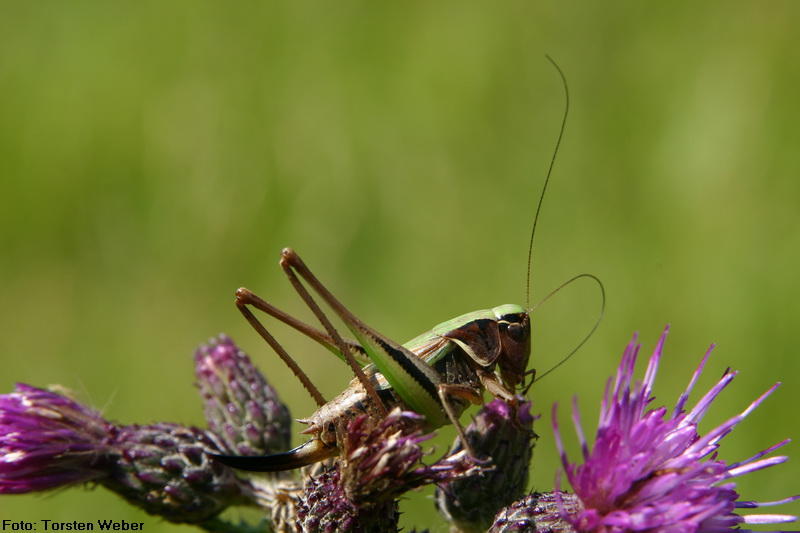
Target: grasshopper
{"x": 437, "y": 374}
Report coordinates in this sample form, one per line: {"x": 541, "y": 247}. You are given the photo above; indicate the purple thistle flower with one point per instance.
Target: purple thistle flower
{"x": 652, "y": 471}
{"x": 47, "y": 441}
{"x": 381, "y": 460}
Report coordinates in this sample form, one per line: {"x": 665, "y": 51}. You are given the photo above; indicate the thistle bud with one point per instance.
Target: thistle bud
{"x": 240, "y": 406}
{"x": 166, "y": 470}
{"x": 505, "y": 435}
{"x": 326, "y": 506}
{"x": 537, "y": 513}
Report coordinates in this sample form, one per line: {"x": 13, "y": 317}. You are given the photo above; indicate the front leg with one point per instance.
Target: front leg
{"x": 492, "y": 382}
{"x": 473, "y": 395}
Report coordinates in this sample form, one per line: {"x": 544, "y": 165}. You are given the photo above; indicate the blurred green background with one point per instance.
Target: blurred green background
{"x": 153, "y": 158}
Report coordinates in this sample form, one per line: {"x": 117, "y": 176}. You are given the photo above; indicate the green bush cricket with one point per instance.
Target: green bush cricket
{"x": 437, "y": 374}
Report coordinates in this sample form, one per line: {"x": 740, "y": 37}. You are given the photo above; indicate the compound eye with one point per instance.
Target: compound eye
{"x": 516, "y": 332}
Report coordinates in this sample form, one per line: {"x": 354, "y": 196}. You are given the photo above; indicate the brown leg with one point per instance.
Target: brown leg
{"x": 282, "y": 353}
{"x": 291, "y": 262}
{"x": 494, "y": 386}
{"x": 468, "y": 393}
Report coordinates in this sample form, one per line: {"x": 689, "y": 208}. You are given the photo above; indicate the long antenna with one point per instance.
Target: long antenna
{"x": 588, "y": 335}
{"x": 530, "y": 246}
{"x": 546, "y": 181}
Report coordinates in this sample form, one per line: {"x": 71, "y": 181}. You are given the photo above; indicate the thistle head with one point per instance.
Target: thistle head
{"x": 167, "y": 470}
{"x": 240, "y": 406}
{"x": 651, "y": 470}
{"x": 48, "y": 441}
{"x": 381, "y": 460}
{"x": 504, "y": 433}
{"x": 537, "y": 513}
